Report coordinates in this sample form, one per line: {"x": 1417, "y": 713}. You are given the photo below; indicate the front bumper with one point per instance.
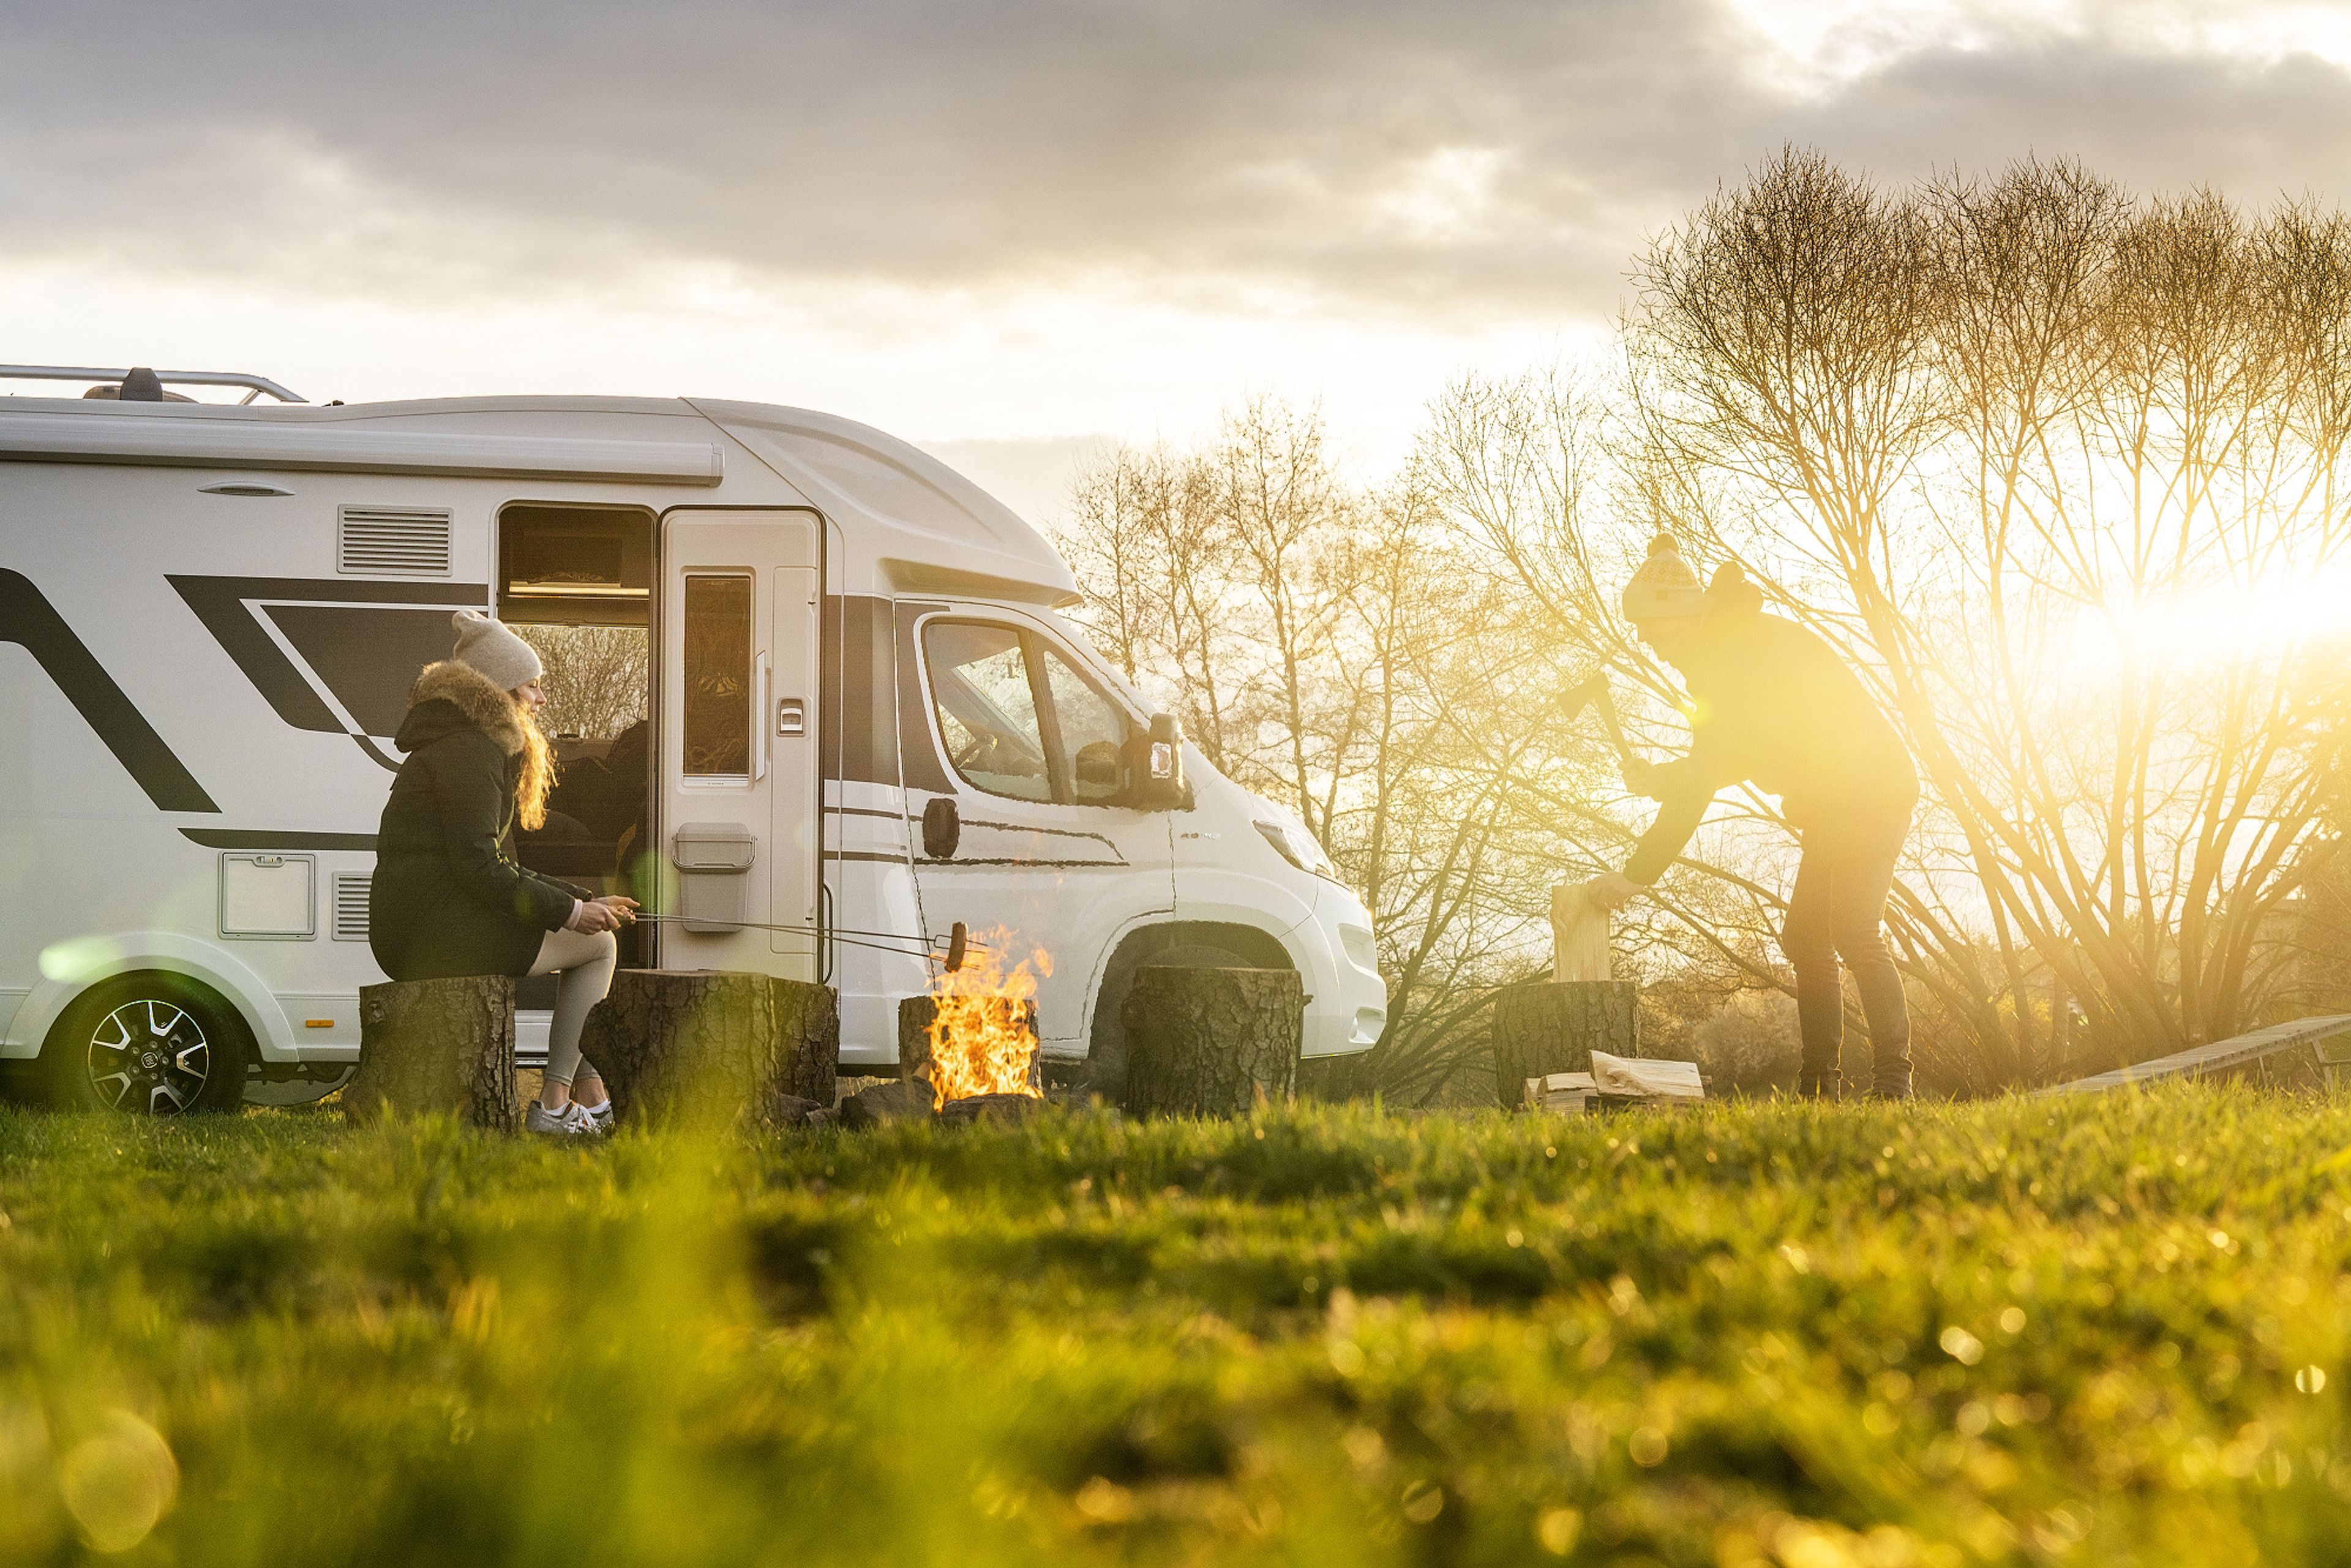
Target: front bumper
{"x": 1338, "y": 961}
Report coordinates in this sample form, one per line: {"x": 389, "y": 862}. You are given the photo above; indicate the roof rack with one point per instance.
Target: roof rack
{"x": 260, "y": 384}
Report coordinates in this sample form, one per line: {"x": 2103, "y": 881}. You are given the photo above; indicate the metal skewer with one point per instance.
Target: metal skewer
{"x": 958, "y": 939}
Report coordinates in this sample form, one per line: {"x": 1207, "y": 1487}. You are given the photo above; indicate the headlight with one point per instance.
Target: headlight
{"x": 1297, "y": 847}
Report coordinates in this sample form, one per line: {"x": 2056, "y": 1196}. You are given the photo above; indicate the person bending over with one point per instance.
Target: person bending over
{"x": 1772, "y": 705}
{"x": 448, "y": 900}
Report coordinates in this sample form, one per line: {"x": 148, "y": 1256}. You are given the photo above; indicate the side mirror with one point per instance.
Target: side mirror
{"x": 1155, "y": 774}
{"x": 941, "y": 828}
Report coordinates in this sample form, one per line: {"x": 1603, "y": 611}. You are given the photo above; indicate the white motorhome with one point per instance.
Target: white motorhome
{"x": 862, "y": 716}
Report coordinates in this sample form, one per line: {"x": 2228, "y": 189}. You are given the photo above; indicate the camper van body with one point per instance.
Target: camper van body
{"x": 212, "y": 614}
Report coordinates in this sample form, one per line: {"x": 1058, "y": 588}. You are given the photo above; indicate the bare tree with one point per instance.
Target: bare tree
{"x": 2033, "y": 454}
{"x": 1322, "y": 643}
{"x": 597, "y": 678}
{"x": 2057, "y": 469}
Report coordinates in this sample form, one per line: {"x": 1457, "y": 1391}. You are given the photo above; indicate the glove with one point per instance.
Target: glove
{"x": 1641, "y": 778}
{"x": 1612, "y": 889}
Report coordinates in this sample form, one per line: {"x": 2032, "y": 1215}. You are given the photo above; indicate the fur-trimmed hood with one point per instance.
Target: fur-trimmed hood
{"x": 477, "y": 699}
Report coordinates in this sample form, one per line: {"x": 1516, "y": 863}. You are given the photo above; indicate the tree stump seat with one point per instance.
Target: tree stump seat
{"x": 712, "y": 1046}
{"x": 1211, "y": 1042}
{"x": 444, "y": 1046}
{"x": 1543, "y": 1027}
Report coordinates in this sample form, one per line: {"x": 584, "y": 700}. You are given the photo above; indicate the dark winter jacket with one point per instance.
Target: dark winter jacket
{"x": 1773, "y": 705}
{"x": 446, "y": 898}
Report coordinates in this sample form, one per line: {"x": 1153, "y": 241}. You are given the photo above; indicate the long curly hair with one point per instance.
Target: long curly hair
{"x": 537, "y": 781}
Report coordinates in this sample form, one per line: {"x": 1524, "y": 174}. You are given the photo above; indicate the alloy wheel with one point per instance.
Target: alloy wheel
{"x": 151, "y": 1056}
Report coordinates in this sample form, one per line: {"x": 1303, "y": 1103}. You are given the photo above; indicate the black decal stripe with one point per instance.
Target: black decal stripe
{"x": 28, "y": 619}
{"x": 1050, "y": 832}
{"x": 226, "y": 607}
{"x": 859, "y": 720}
{"x": 978, "y": 822}
{"x": 247, "y": 839}
{"x": 918, "y": 755}
{"x": 1014, "y": 859}
{"x": 365, "y": 657}
{"x": 926, "y": 863}
{"x": 223, "y": 611}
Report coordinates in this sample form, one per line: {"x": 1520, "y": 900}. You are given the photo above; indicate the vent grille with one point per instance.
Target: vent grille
{"x": 392, "y": 541}
{"x": 350, "y": 924}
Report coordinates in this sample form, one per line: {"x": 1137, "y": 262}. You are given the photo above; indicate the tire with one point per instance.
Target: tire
{"x": 151, "y": 1043}
{"x": 1105, "y": 1064}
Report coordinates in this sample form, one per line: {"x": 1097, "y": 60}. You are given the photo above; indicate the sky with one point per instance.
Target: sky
{"x": 1019, "y": 231}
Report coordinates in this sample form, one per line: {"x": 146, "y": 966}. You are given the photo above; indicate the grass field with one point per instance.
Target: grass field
{"x": 2098, "y": 1332}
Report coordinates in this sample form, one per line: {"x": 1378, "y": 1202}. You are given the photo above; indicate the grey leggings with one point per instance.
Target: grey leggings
{"x": 582, "y": 965}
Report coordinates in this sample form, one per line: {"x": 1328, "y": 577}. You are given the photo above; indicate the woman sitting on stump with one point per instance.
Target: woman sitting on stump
{"x": 1774, "y": 706}
{"x": 448, "y": 900}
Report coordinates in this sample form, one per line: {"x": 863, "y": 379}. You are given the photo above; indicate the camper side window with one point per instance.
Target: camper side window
{"x": 987, "y": 707}
{"x": 717, "y": 671}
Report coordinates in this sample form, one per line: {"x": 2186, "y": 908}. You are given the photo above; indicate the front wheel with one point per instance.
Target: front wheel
{"x": 147, "y": 1044}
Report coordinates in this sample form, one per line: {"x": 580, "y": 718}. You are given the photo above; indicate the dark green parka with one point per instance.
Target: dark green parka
{"x": 446, "y": 898}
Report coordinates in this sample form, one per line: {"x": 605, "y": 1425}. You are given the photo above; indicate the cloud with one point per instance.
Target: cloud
{"x": 1473, "y": 160}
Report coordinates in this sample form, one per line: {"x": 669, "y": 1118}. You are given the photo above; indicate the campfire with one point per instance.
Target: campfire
{"x": 982, "y": 1037}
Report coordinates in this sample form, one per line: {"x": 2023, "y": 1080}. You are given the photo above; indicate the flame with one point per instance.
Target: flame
{"x": 983, "y": 1033}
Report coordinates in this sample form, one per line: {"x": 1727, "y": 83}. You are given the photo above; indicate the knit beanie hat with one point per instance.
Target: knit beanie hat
{"x": 494, "y": 652}
{"x": 1665, "y": 585}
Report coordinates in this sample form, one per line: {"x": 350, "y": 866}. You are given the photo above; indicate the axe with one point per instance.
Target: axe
{"x": 1594, "y": 693}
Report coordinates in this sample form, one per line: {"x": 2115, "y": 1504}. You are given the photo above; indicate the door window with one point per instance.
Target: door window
{"x": 717, "y": 671}
{"x": 987, "y": 707}
{"x": 1092, "y": 731}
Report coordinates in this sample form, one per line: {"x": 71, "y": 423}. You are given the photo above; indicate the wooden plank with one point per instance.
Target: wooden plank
{"x": 2218, "y": 1056}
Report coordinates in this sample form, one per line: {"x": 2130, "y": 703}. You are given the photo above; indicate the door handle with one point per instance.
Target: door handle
{"x": 759, "y": 704}
{"x": 791, "y": 717}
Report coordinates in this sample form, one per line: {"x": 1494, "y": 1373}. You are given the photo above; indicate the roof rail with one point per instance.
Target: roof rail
{"x": 258, "y": 384}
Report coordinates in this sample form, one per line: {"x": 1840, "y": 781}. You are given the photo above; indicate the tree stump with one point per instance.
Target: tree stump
{"x": 810, "y": 1017}
{"x": 1543, "y": 1027}
{"x": 915, "y": 1015}
{"x": 711, "y": 1048}
{"x": 1211, "y": 1042}
{"x": 429, "y": 1046}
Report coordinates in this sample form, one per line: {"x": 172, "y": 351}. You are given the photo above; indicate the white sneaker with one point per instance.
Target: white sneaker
{"x": 569, "y": 1123}
{"x": 600, "y": 1117}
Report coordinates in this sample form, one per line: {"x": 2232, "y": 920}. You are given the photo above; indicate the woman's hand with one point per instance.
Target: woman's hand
{"x": 609, "y": 912}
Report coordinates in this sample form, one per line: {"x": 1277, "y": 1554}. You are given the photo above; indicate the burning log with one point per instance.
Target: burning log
{"x": 1012, "y": 1108}
{"x": 976, "y": 1032}
{"x": 899, "y": 1101}
{"x": 437, "y": 1046}
{"x": 1544, "y": 1026}
{"x": 704, "y": 1046}
{"x": 1211, "y": 1042}
{"x": 965, "y": 1046}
